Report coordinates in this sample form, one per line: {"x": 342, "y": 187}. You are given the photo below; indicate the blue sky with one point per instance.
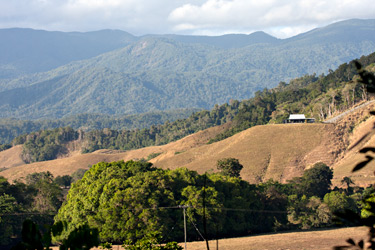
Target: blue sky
{"x": 280, "y": 18}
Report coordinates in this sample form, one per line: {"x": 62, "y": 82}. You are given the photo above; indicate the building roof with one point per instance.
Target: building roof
{"x": 297, "y": 117}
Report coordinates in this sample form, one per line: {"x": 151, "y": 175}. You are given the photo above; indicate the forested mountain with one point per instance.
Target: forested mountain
{"x": 316, "y": 96}
{"x": 168, "y": 72}
{"x": 227, "y": 41}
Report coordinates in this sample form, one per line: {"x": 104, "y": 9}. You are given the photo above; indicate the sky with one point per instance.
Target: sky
{"x": 280, "y": 18}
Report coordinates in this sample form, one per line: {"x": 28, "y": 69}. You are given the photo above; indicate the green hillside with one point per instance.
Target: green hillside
{"x": 160, "y": 73}
{"x": 319, "y": 97}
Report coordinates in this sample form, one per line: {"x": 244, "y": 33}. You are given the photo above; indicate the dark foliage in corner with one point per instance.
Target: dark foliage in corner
{"x": 81, "y": 238}
{"x": 367, "y": 216}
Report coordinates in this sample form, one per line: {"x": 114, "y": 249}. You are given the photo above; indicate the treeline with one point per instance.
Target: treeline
{"x": 38, "y": 197}
{"x": 159, "y": 134}
{"x": 128, "y": 200}
{"x": 11, "y": 128}
{"x": 46, "y": 144}
{"x": 315, "y": 96}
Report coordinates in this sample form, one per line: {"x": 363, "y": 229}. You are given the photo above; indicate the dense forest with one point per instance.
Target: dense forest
{"x": 315, "y": 96}
{"x": 38, "y": 197}
{"x": 11, "y": 128}
{"x": 126, "y": 201}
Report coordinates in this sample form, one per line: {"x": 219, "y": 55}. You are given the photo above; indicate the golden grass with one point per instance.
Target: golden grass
{"x": 278, "y": 151}
{"x": 269, "y": 151}
{"x": 16, "y": 168}
{"x": 11, "y": 157}
{"x": 309, "y": 240}
{"x": 352, "y": 157}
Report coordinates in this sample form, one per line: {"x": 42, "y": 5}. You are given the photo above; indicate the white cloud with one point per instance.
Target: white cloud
{"x": 279, "y": 17}
{"x": 136, "y": 16}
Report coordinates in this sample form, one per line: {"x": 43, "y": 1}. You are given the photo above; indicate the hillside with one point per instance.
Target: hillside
{"x": 277, "y": 151}
{"x": 312, "y": 240}
{"x": 319, "y": 97}
{"x": 321, "y": 239}
{"x": 15, "y": 170}
{"x": 165, "y": 72}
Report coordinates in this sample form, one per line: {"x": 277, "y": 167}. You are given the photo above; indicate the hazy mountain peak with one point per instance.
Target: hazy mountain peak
{"x": 348, "y": 30}
{"x": 166, "y": 71}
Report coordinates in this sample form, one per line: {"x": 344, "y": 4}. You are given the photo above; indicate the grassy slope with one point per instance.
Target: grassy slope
{"x": 280, "y": 152}
{"x": 344, "y": 166}
{"x": 284, "y": 158}
{"x": 70, "y": 164}
{"x": 311, "y": 240}
{"x": 269, "y": 151}
{"x": 11, "y": 157}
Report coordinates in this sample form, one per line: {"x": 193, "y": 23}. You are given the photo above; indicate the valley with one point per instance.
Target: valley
{"x": 116, "y": 135}
{"x": 275, "y": 151}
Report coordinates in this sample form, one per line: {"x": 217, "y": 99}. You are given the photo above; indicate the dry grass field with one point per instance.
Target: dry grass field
{"x": 344, "y": 166}
{"x": 270, "y": 151}
{"x": 309, "y": 240}
{"x": 277, "y": 151}
{"x": 14, "y": 168}
{"x": 306, "y": 240}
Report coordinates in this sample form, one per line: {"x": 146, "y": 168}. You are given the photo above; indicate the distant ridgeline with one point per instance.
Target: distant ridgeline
{"x": 317, "y": 97}
{"x": 64, "y": 75}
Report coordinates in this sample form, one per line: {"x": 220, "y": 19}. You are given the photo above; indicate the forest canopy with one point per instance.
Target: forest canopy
{"x": 127, "y": 200}
{"x": 318, "y": 97}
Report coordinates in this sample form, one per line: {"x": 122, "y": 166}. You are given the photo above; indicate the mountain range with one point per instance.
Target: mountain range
{"x": 56, "y": 74}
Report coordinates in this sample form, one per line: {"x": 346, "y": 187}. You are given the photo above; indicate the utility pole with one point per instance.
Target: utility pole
{"x": 184, "y": 211}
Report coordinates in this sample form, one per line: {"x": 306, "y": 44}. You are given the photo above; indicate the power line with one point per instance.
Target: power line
{"x": 249, "y": 210}
{"x": 173, "y": 207}
{"x": 196, "y": 228}
{"x": 29, "y": 213}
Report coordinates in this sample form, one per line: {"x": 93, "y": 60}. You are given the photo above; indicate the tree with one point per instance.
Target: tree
{"x": 77, "y": 175}
{"x": 4, "y": 184}
{"x": 112, "y": 196}
{"x": 230, "y": 167}
{"x": 128, "y": 200}
{"x": 82, "y": 238}
{"x": 48, "y": 197}
{"x": 63, "y": 181}
{"x": 347, "y": 181}
{"x": 315, "y": 181}
{"x": 151, "y": 241}
{"x": 36, "y": 177}
{"x": 338, "y": 202}
{"x": 8, "y": 222}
